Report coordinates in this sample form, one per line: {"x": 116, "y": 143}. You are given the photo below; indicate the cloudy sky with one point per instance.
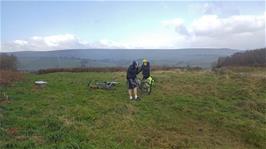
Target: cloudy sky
{"x": 48, "y": 25}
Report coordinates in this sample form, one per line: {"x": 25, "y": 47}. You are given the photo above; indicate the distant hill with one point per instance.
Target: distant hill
{"x": 34, "y": 60}
{"x": 247, "y": 58}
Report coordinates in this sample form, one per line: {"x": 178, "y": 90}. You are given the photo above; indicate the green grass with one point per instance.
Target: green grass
{"x": 187, "y": 109}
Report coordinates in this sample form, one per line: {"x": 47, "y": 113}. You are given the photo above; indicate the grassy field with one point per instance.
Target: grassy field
{"x": 187, "y": 109}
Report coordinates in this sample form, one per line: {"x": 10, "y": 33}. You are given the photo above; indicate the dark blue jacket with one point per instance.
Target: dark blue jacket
{"x": 146, "y": 70}
{"x": 132, "y": 72}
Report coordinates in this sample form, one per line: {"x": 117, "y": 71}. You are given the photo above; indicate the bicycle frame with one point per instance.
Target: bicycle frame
{"x": 144, "y": 87}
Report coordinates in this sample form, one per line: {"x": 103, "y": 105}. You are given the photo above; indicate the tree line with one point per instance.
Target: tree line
{"x": 255, "y": 57}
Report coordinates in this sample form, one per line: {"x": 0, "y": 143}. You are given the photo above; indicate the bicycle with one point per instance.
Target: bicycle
{"x": 145, "y": 85}
{"x": 108, "y": 85}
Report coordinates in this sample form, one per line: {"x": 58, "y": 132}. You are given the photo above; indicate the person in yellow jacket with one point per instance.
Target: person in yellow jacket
{"x": 146, "y": 71}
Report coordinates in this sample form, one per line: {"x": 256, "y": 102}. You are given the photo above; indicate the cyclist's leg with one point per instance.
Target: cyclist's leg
{"x": 130, "y": 88}
{"x": 135, "y": 89}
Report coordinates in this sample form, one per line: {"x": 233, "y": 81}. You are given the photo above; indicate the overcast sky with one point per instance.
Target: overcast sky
{"x": 49, "y": 25}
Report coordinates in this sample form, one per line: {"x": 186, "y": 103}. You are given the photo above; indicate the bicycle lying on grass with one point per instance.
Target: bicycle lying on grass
{"x": 145, "y": 85}
{"x": 108, "y": 85}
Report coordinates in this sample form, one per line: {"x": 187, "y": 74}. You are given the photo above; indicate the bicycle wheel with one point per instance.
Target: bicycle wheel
{"x": 150, "y": 87}
{"x": 145, "y": 87}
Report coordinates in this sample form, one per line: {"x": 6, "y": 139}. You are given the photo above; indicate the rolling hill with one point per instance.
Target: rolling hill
{"x": 34, "y": 60}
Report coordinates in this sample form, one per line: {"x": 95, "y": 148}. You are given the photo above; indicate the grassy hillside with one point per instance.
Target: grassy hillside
{"x": 187, "y": 109}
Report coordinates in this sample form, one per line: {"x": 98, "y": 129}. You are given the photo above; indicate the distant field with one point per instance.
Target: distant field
{"x": 187, "y": 109}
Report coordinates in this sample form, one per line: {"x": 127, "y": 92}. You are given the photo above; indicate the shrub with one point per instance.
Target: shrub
{"x": 8, "y": 62}
{"x": 9, "y": 76}
{"x": 108, "y": 69}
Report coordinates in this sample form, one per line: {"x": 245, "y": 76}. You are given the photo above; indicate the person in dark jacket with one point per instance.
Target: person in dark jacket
{"x": 132, "y": 72}
{"x": 145, "y": 68}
